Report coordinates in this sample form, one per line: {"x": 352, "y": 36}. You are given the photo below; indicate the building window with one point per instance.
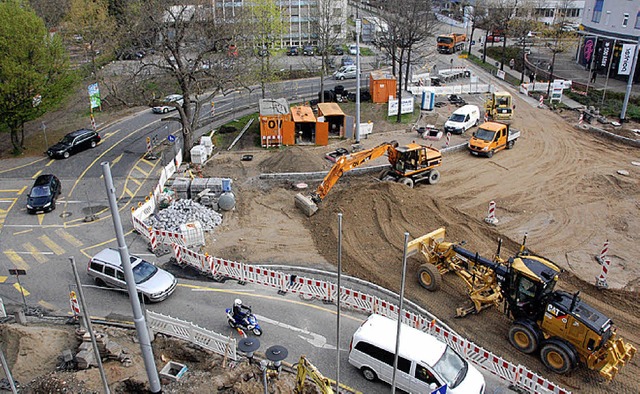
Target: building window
{"x": 625, "y": 20}
{"x": 638, "y": 20}
{"x": 597, "y": 11}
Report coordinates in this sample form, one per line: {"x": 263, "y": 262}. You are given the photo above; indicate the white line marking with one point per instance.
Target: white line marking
{"x": 316, "y": 340}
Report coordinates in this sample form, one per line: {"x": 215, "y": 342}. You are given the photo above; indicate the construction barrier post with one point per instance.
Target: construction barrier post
{"x": 603, "y": 253}
{"x": 491, "y": 214}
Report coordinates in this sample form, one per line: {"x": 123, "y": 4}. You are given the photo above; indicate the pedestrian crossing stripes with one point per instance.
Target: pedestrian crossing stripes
{"x": 49, "y": 243}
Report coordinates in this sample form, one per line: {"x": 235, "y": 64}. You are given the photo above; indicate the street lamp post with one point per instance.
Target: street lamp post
{"x": 358, "y": 29}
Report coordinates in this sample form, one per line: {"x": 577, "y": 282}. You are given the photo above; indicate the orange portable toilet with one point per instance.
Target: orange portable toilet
{"x": 276, "y": 125}
{"x": 382, "y": 85}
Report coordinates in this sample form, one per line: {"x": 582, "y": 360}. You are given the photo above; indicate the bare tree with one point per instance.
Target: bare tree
{"x": 408, "y": 26}
{"x": 194, "y": 47}
{"x": 561, "y": 39}
{"x": 328, "y": 25}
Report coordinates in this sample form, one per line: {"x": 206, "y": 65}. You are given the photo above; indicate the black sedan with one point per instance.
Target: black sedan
{"x": 44, "y": 194}
{"x": 74, "y": 142}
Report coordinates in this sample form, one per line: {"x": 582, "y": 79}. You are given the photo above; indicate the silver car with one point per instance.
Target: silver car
{"x": 163, "y": 108}
{"x": 154, "y": 283}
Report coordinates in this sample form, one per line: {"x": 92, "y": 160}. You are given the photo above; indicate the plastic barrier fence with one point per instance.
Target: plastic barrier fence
{"x": 210, "y": 340}
{"x": 310, "y": 288}
{"x": 452, "y": 89}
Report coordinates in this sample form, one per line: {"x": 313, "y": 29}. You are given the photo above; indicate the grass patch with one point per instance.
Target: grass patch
{"x": 225, "y": 135}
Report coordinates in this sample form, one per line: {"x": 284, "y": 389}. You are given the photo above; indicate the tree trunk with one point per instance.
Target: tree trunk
{"x": 473, "y": 29}
{"x": 399, "y": 118}
{"x": 484, "y": 48}
{"x": 407, "y": 70}
{"x": 504, "y": 49}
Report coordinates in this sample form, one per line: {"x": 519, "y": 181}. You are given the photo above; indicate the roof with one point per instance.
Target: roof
{"x": 381, "y": 75}
{"x": 414, "y": 344}
{"x": 330, "y": 109}
{"x": 302, "y": 113}
{"x": 273, "y": 107}
{"x": 79, "y": 132}
{"x": 492, "y": 126}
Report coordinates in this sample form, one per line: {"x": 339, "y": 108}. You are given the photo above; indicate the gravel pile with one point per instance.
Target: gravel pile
{"x": 181, "y": 212}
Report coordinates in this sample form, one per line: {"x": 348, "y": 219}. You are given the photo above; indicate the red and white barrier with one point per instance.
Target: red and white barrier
{"x": 603, "y": 252}
{"x": 491, "y": 214}
{"x": 448, "y": 140}
{"x": 75, "y": 307}
{"x": 541, "y": 102}
{"x": 581, "y": 118}
{"x": 486, "y": 116}
{"x": 601, "y": 280}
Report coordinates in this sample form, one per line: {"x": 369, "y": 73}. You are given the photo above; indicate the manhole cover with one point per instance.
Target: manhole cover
{"x": 65, "y": 214}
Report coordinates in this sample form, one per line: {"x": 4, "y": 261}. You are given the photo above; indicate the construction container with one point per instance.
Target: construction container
{"x": 276, "y": 125}
{"x": 198, "y": 154}
{"x": 193, "y": 233}
{"x": 180, "y": 187}
{"x": 382, "y": 85}
{"x": 333, "y": 117}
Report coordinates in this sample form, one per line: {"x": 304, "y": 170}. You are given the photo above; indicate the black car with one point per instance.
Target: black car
{"x": 308, "y": 50}
{"x": 293, "y": 51}
{"x": 74, "y": 142}
{"x": 43, "y": 194}
{"x": 337, "y": 50}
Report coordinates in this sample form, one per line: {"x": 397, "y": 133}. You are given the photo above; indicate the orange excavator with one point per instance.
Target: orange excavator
{"x": 410, "y": 164}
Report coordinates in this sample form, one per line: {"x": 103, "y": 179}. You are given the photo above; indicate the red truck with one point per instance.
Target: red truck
{"x": 450, "y": 43}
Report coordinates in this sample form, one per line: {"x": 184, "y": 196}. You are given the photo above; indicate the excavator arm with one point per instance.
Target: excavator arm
{"x": 309, "y": 204}
{"x": 348, "y": 163}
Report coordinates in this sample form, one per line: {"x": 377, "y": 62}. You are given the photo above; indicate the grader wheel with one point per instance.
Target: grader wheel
{"x": 429, "y": 277}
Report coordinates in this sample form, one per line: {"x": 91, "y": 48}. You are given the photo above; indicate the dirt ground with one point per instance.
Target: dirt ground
{"x": 559, "y": 185}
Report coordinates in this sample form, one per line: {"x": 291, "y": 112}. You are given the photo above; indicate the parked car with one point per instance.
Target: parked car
{"x": 293, "y": 51}
{"x": 347, "y": 61}
{"x": 44, "y": 194}
{"x": 338, "y": 50}
{"x": 308, "y": 50}
{"x": 74, "y": 142}
{"x": 353, "y": 49}
{"x": 153, "y": 283}
{"x": 163, "y": 108}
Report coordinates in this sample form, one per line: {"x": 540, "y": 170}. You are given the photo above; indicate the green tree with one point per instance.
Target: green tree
{"x": 34, "y": 72}
{"x": 90, "y": 22}
{"x": 265, "y": 19}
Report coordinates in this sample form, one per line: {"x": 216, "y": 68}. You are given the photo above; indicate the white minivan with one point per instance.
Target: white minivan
{"x": 424, "y": 362}
{"x": 346, "y": 72}
{"x": 462, "y": 119}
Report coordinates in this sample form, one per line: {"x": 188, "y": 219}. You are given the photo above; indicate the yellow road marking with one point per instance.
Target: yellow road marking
{"x": 16, "y": 259}
{"x": 40, "y": 218}
{"x": 151, "y": 164}
{"x": 47, "y": 305}
{"x": 23, "y": 231}
{"x": 49, "y": 163}
{"x": 22, "y": 166}
{"x": 21, "y": 289}
{"x": 134, "y": 180}
{"x": 36, "y": 174}
{"x": 38, "y": 255}
{"x": 51, "y": 245}
{"x": 83, "y": 251}
{"x": 69, "y": 238}
{"x": 21, "y": 190}
{"x": 140, "y": 169}
{"x": 117, "y": 159}
{"x": 126, "y": 190}
{"x": 3, "y": 279}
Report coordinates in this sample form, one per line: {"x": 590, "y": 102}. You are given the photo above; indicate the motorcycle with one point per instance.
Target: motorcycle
{"x": 253, "y": 326}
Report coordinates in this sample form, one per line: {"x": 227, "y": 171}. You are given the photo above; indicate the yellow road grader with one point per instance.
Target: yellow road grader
{"x": 558, "y": 325}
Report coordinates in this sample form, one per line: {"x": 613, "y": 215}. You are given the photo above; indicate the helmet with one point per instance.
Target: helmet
{"x": 237, "y": 302}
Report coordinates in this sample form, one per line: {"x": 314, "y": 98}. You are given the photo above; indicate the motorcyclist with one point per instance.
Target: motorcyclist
{"x": 240, "y": 312}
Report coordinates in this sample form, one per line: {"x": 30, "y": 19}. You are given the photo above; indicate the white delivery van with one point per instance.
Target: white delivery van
{"x": 424, "y": 362}
{"x": 462, "y": 119}
{"x": 346, "y": 72}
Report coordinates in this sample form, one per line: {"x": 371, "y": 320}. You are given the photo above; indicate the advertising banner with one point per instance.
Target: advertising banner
{"x": 405, "y": 108}
{"x": 607, "y": 48}
{"x": 588, "y": 49}
{"x": 94, "y": 95}
{"x": 626, "y": 59}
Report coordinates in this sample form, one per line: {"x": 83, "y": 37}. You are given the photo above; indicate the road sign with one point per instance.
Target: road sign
{"x": 13, "y": 271}
{"x": 171, "y": 138}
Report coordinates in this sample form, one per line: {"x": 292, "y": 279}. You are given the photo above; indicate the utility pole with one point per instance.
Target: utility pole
{"x": 358, "y": 29}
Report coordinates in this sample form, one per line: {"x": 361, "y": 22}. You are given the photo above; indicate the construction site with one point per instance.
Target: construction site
{"x": 567, "y": 189}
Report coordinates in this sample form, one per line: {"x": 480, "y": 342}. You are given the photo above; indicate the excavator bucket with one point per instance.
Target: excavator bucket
{"x": 306, "y": 204}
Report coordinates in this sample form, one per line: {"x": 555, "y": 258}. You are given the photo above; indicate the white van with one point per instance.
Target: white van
{"x": 424, "y": 362}
{"x": 462, "y": 119}
{"x": 346, "y": 72}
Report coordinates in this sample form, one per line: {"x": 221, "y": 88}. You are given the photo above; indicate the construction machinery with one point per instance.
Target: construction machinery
{"x": 492, "y": 137}
{"x": 304, "y": 369}
{"x": 499, "y": 106}
{"x": 558, "y": 325}
{"x": 410, "y": 164}
{"x": 450, "y": 43}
